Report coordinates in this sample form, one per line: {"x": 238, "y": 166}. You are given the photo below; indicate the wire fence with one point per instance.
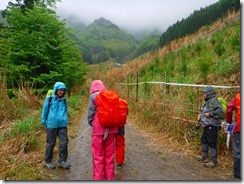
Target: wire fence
{"x": 177, "y": 101}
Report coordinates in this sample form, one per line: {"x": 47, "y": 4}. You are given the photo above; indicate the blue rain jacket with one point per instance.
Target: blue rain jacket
{"x": 58, "y": 111}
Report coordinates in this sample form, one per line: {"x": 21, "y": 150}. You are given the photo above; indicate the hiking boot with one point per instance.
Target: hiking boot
{"x": 199, "y": 158}
{"x": 64, "y": 165}
{"x": 50, "y": 165}
{"x": 236, "y": 177}
{"x": 210, "y": 164}
{"x": 119, "y": 166}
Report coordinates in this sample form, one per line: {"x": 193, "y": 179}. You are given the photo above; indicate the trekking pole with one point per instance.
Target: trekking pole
{"x": 105, "y": 133}
{"x": 229, "y": 132}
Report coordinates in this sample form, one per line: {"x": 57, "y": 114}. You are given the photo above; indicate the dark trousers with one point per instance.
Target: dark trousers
{"x": 210, "y": 135}
{"x": 237, "y": 154}
{"x": 209, "y": 140}
{"x": 51, "y": 136}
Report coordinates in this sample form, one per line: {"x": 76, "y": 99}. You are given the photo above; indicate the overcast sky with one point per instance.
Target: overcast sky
{"x": 131, "y": 14}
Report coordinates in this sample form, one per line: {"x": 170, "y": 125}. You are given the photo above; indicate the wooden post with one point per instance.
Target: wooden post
{"x": 128, "y": 87}
{"x": 137, "y": 86}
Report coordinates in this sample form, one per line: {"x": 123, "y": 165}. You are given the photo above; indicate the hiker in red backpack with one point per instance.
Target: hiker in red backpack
{"x": 234, "y": 105}
{"x": 103, "y": 150}
{"x": 120, "y": 136}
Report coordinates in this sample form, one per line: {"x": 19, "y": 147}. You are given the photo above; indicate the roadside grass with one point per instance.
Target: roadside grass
{"x": 22, "y": 142}
{"x": 180, "y": 137}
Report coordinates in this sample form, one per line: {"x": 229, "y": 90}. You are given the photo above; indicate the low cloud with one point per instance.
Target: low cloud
{"x": 133, "y": 14}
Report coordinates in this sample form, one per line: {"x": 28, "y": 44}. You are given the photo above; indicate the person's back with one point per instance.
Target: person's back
{"x": 103, "y": 150}
{"x": 97, "y": 128}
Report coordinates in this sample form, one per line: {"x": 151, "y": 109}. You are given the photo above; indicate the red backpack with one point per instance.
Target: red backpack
{"x": 108, "y": 108}
{"x": 123, "y": 108}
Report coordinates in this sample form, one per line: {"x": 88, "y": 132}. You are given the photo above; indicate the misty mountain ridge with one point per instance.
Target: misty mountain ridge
{"x": 77, "y": 23}
{"x": 74, "y": 22}
{"x": 106, "y": 23}
{"x": 106, "y": 40}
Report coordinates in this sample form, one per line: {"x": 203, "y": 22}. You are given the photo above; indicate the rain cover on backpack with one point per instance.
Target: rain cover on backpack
{"x": 123, "y": 108}
{"x": 223, "y": 104}
{"x": 108, "y": 108}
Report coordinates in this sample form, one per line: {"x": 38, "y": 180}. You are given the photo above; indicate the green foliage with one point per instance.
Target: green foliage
{"x": 198, "y": 48}
{"x": 73, "y": 74}
{"x": 31, "y": 143}
{"x": 74, "y": 101}
{"x": 204, "y": 67}
{"x": 147, "y": 44}
{"x": 156, "y": 61}
{"x": 22, "y": 127}
{"x": 191, "y": 64}
{"x": 103, "y": 56}
{"x": 146, "y": 91}
{"x": 219, "y": 49}
{"x": 102, "y": 36}
{"x": 225, "y": 66}
{"x": 24, "y": 172}
{"x": 199, "y": 18}
{"x": 36, "y": 48}
{"x": 183, "y": 68}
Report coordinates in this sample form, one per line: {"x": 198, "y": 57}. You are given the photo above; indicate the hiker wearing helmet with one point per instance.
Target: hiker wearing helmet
{"x": 103, "y": 150}
{"x": 55, "y": 120}
{"x": 209, "y": 118}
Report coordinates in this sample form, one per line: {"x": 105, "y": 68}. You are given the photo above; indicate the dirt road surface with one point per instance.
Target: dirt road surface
{"x": 143, "y": 161}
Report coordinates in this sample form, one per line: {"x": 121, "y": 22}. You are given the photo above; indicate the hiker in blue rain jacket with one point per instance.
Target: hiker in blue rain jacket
{"x": 55, "y": 118}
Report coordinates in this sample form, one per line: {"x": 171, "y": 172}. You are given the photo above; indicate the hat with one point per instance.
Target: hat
{"x": 208, "y": 89}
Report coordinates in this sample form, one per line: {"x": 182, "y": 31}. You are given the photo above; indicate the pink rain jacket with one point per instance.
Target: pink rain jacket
{"x": 103, "y": 151}
{"x": 97, "y": 129}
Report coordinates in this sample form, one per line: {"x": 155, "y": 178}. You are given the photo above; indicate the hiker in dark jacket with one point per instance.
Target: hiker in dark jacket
{"x": 209, "y": 118}
{"x": 55, "y": 118}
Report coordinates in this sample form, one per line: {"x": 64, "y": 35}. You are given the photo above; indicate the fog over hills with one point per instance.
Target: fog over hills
{"x": 132, "y": 16}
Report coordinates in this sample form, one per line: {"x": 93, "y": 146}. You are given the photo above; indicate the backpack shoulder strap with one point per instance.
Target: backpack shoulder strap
{"x": 49, "y": 103}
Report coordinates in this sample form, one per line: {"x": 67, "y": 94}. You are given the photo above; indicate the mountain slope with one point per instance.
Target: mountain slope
{"x": 217, "y": 46}
{"x": 106, "y": 40}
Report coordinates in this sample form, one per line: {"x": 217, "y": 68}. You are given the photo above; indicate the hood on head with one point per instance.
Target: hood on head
{"x": 210, "y": 91}
{"x": 97, "y": 85}
{"x": 58, "y": 85}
